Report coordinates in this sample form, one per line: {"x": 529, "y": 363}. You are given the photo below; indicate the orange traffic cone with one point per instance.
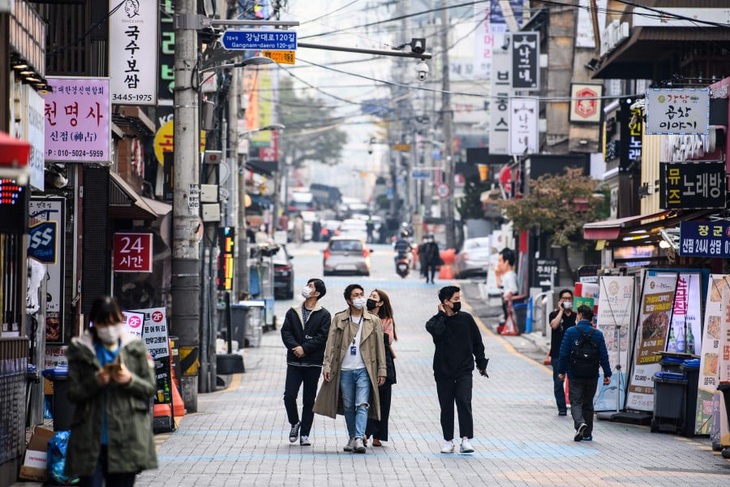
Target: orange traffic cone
{"x": 445, "y": 272}
{"x": 178, "y": 406}
{"x": 510, "y": 328}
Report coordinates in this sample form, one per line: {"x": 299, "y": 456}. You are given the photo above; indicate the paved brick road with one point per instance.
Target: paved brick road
{"x": 239, "y": 437}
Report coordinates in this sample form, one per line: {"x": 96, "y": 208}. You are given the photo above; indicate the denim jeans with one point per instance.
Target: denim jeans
{"x": 558, "y": 387}
{"x": 355, "y": 390}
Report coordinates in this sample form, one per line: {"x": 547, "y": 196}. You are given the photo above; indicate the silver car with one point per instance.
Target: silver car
{"x": 346, "y": 255}
{"x": 473, "y": 260}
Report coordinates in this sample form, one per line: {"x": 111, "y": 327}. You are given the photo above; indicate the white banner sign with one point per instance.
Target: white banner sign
{"x": 35, "y": 135}
{"x": 685, "y": 334}
{"x": 524, "y": 113}
{"x": 133, "y": 323}
{"x": 651, "y": 333}
{"x": 615, "y": 309}
{"x": 677, "y": 111}
{"x": 711, "y": 350}
{"x": 133, "y": 40}
{"x": 501, "y": 87}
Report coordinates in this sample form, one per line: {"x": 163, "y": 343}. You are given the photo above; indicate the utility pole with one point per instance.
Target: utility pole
{"x": 448, "y": 117}
{"x": 185, "y": 316}
{"x": 241, "y": 264}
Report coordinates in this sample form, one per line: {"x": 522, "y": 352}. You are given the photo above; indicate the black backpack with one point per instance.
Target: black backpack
{"x": 585, "y": 357}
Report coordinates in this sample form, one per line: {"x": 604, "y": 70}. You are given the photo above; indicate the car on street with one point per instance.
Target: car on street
{"x": 283, "y": 274}
{"x": 473, "y": 259}
{"x": 354, "y": 228}
{"x": 330, "y": 228}
{"x": 346, "y": 255}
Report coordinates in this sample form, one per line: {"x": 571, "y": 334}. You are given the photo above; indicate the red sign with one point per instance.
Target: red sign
{"x": 132, "y": 252}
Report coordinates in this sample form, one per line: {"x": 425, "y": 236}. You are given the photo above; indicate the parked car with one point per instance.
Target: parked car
{"x": 473, "y": 259}
{"x": 354, "y": 228}
{"x": 330, "y": 228}
{"x": 283, "y": 274}
{"x": 346, "y": 255}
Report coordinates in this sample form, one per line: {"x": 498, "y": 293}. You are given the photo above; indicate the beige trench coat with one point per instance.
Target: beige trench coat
{"x": 372, "y": 349}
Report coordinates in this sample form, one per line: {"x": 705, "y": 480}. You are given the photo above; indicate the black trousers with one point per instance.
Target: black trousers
{"x": 295, "y": 376}
{"x": 379, "y": 428}
{"x": 581, "y": 393}
{"x": 457, "y": 391}
{"x": 101, "y": 474}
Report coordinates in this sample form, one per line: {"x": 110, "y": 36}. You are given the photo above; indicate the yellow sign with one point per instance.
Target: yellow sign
{"x": 164, "y": 141}
{"x": 282, "y": 57}
{"x": 402, "y": 147}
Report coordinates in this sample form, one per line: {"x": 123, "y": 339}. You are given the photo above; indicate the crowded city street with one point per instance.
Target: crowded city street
{"x": 240, "y": 434}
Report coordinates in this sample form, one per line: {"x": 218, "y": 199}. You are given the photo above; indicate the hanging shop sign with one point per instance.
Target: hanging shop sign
{"x": 585, "y": 103}
{"x": 712, "y": 350}
{"x": 13, "y": 216}
{"x": 704, "y": 239}
{"x": 631, "y": 121}
{"x": 692, "y": 185}
{"x": 501, "y": 86}
{"x": 78, "y": 120}
{"x": 132, "y": 65}
{"x": 226, "y": 252}
{"x": 523, "y": 126}
{"x": 655, "y": 312}
{"x": 525, "y": 50}
{"x": 677, "y": 111}
{"x": 132, "y": 252}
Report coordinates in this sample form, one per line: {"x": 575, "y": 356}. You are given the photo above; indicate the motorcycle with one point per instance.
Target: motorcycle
{"x": 402, "y": 265}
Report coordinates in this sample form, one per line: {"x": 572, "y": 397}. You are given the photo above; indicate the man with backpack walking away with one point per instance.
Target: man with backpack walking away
{"x": 582, "y": 351}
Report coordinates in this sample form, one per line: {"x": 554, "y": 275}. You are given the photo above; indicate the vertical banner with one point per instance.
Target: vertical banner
{"x": 615, "y": 311}
{"x": 655, "y": 312}
{"x": 685, "y": 334}
{"x": 155, "y": 336}
{"x": 45, "y": 244}
{"x": 526, "y": 61}
{"x": 524, "y": 114}
{"x": 710, "y": 355}
{"x": 133, "y": 29}
{"x": 500, "y": 88}
{"x": 35, "y": 134}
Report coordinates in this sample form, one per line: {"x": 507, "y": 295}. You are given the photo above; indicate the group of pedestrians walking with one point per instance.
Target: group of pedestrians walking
{"x": 354, "y": 352}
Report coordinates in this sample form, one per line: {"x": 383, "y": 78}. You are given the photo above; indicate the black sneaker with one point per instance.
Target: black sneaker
{"x": 562, "y": 413}
{"x": 579, "y": 432}
{"x": 294, "y": 433}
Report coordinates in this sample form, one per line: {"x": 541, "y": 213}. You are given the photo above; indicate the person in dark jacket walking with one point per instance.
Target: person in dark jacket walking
{"x": 458, "y": 344}
{"x": 111, "y": 381}
{"x": 304, "y": 334}
{"x": 583, "y": 387}
{"x": 430, "y": 258}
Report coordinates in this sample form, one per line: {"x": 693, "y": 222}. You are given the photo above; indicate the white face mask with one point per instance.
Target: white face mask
{"x": 109, "y": 334}
{"x": 359, "y": 303}
{"x": 306, "y": 292}
{"x": 567, "y": 305}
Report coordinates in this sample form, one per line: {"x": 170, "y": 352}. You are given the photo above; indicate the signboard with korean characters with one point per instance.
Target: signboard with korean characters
{"x": 704, "y": 239}
{"x": 133, "y": 29}
{"x": 677, "y": 111}
{"x": 546, "y": 270}
{"x": 523, "y": 126}
{"x": 501, "y": 88}
{"x": 132, "y": 252}
{"x": 692, "y": 185}
{"x": 525, "y": 48}
{"x": 78, "y": 120}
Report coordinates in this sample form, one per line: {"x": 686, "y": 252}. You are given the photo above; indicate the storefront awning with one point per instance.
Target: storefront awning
{"x": 624, "y": 228}
{"x": 126, "y": 203}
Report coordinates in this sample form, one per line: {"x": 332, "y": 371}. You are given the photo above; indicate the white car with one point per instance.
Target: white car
{"x": 346, "y": 255}
{"x": 354, "y": 228}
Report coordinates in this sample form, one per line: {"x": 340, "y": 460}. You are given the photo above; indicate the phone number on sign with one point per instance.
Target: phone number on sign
{"x": 131, "y": 97}
{"x": 74, "y": 153}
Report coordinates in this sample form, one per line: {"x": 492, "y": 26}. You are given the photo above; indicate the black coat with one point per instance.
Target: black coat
{"x": 389, "y": 362}
{"x": 312, "y": 336}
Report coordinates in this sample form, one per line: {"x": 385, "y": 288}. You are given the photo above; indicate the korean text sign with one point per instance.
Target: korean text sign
{"x": 677, "y": 111}
{"x": 692, "y": 185}
{"x": 78, "y": 120}
{"x": 526, "y": 61}
{"x": 704, "y": 239}
{"x": 132, "y": 252}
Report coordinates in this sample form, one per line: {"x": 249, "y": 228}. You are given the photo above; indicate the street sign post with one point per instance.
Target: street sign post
{"x": 259, "y": 40}
{"x": 442, "y": 190}
{"x": 420, "y": 174}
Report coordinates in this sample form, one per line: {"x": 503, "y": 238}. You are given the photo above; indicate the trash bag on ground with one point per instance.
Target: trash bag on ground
{"x": 57, "y": 446}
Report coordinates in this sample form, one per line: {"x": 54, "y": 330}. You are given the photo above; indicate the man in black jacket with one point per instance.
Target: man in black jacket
{"x": 304, "y": 333}
{"x": 458, "y": 343}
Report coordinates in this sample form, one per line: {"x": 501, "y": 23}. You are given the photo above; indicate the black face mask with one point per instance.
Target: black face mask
{"x": 456, "y": 307}
{"x": 371, "y": 304}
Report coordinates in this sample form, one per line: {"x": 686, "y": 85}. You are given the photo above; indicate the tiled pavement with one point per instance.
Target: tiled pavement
{"x": 239, "y": 436}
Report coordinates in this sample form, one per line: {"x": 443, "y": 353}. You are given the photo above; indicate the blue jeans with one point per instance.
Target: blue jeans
{"x": 355, "y": 390}
{"x": 558, "y": 387}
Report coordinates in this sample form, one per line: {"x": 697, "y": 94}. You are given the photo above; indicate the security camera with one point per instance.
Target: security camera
{"x": 422, "y": 71}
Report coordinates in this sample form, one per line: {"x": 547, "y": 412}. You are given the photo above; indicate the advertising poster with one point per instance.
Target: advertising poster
{"x": 615, "y": 311}
{"x": 685, "y": 334}
{"x": 155, "y": 335}
{"x": 655, "y": 313}
{"x": 711, "y": 349}
{"x": 133, "y": 323}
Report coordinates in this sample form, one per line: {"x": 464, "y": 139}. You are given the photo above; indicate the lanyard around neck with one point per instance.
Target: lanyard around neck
{"x": 359, "y": 324}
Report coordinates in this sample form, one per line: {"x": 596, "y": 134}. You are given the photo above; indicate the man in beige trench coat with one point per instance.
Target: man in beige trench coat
{"x": 354, "y": 366}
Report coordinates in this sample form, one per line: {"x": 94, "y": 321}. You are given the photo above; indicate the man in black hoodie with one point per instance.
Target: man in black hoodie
{"x": 458, "y": 344}
{"x": 304, "y": 333}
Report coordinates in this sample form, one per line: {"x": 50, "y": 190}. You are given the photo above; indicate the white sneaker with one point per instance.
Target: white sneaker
{"x": 448, "y": 447}
{"x": 350, "y": 444}
{"x": 466, "y": 446}
{"x": 304, "y": 441}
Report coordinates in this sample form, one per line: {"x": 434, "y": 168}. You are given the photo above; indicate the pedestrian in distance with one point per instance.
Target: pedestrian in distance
{"x": 458, "y": 345}
{"x": 111, "y": 382}
{"x": 353, "y": 368}
{"x": 506, "y": 279}
{"x": 560, "y": 319}
{"x": 378, "y": 303}
{"x": 304, "y": 334}
{"x": 582, "y": 351}
{"x": 431, "y": 258}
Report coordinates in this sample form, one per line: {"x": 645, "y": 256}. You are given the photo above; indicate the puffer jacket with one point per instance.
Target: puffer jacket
{"x": 131, "y": 446}
{"x": 312, "y": 336}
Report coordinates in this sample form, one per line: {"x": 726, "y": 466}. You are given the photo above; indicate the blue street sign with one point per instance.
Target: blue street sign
{"x": 259, "y": 40}
{"x": 420, "y": 174}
